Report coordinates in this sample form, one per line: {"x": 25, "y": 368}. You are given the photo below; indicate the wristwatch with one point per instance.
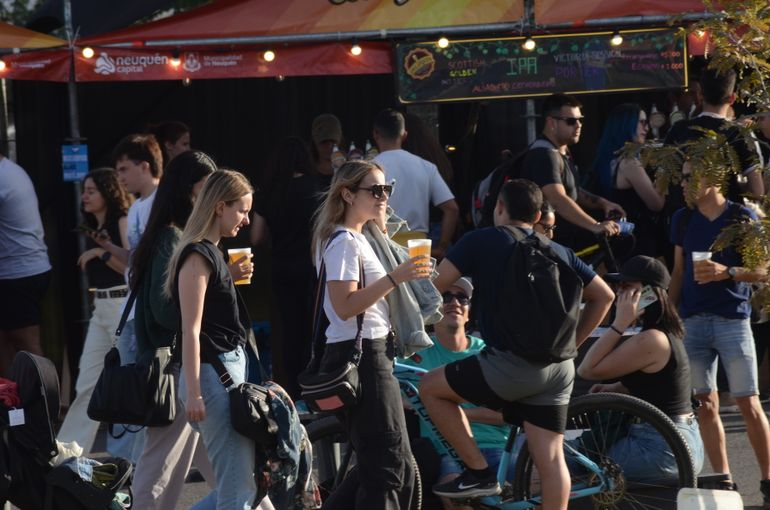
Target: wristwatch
{"x": 105, "y": 256}
{"x": 732, "y": 272}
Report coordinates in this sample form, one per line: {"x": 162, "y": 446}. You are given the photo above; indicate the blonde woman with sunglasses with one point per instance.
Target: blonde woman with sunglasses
{"x": 385, "y": 477}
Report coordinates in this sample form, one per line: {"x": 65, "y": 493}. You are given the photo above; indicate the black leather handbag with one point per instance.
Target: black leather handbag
{"x": 141, "y": 393}
{"x": 337, "y": 389}
{"x": 249, "y": 404}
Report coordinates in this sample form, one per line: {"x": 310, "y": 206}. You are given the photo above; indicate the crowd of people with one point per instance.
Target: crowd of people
{"x": 154, "y": 223}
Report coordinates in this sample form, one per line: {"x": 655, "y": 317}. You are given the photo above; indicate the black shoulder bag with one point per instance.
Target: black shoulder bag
{"x": 339, "y": 389}
{"x": 141, "y": 393}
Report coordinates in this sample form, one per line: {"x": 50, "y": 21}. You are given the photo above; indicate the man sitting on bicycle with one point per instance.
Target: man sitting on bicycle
{"x": 535, "y": 394}
{"x": 453, "y": 343}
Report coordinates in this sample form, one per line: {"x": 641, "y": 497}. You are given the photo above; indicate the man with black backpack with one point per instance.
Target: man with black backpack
{"x": 528, "y": 293}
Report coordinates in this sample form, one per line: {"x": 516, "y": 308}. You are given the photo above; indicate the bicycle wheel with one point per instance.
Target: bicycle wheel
{"x": 334, "y": 458}
{"x": 598, "y": 426}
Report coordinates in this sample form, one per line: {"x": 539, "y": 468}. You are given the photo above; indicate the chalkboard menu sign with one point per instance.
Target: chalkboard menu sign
{"x": 468, "y": 70}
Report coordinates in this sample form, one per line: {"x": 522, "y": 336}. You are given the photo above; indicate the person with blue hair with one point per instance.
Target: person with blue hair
{"x": 624, "y": 179}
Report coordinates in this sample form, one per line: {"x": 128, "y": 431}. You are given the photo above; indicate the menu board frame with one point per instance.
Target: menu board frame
{"x": 583, "y": 63}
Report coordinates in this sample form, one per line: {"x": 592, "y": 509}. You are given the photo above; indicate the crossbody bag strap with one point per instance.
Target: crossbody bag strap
{"x": 126, "y": 311}
{"x": 355, "y": 356}
{"x": 318, "y": 337}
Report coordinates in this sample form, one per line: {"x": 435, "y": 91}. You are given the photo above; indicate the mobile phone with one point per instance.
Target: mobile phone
{"x": 85, "y": 229}
{"x": 647, "y": 298}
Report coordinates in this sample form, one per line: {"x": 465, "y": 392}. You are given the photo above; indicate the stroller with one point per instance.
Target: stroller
{"x": 28, "y": 443}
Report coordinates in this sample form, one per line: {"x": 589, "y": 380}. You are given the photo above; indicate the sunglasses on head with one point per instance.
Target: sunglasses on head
{"x": 463, "y": 299}
{"x": 570, "y": 121}
{"x": 378, "y": 190}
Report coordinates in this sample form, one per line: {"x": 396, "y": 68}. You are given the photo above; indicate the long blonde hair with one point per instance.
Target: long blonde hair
{"x": 332, "y": 210}
{"x": 225, "y": 186}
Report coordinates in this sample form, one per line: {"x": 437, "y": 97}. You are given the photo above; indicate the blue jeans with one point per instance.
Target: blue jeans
{"x": 644, "y": 456}
{"x": 709, "y": 336}
{"x": 231, "y": 454}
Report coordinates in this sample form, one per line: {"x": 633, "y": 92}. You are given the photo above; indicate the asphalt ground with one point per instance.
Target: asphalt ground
{"x": 742, "y": 462}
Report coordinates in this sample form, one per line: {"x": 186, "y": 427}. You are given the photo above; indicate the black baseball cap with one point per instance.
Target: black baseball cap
{"x": 643, "y": 269}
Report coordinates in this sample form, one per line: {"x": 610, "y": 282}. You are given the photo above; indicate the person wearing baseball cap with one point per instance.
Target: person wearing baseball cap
{"x": 326, "y": 132}
{"x": 451, "y": 342}
{"x": 651, "y": 365}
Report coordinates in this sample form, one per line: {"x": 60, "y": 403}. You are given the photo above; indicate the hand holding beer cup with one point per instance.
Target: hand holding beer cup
{"x": 240, "y": 265}
{"x": 706, "y": 270}
{"x": 420, "y": 248}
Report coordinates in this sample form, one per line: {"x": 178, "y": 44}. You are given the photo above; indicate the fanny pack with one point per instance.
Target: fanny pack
{"x": 339, "y": 388}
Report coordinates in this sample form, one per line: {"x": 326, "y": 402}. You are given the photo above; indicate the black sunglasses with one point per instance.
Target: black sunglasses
{"x": 571, "y": 121}
{"x": 547, "y": 228}
{"x": 378, "y": 190}
{"x": 463, "y": 299}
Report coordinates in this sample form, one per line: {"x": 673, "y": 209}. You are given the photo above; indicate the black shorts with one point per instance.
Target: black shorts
{"x": 20, "y": 301}
{"x": 466, "y": 378}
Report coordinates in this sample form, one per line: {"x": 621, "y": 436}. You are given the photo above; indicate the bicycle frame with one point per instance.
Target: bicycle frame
{"x": 408, "y": 378}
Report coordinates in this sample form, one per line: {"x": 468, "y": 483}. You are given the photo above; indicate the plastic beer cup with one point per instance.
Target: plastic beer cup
{"x": 242, "y": 255}
{"x": 419, "y": 248}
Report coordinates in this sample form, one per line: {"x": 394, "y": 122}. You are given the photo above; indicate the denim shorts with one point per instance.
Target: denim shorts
{"x": 709, "y": 336}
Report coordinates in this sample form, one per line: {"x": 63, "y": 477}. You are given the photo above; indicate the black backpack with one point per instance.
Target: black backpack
{"x": 539, "y": 301}
{"x": 484, "y": 196}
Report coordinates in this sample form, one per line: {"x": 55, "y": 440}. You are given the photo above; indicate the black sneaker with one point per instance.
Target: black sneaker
{"x": 468, "y": 486}
{"x": 764, "y": 488}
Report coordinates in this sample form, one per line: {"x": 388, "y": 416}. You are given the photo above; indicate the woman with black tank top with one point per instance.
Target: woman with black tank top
{"x": 104, "y": 204}
{"x": 199, "y": 281}
{"x": 651, "y": 365}
{"x": 625, "y": 180}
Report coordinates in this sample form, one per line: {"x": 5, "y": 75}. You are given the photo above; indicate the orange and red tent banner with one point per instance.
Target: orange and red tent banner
{"x": 249, "y": 18}
{"x": 125, "y": 64}
{"x": 577, "y": 12}
{"x": 16, "y": 37}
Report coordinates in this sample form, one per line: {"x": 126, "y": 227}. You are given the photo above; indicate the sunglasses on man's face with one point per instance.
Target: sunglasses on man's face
{"x": 463, "y": 299}
{"x": 571, "y": 121}
{"x": 378, "y": 190}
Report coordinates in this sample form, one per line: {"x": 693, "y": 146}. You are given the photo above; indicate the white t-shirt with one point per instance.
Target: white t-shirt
{"x": 418, "y": 184}
{"x": 136, "y": 221}
{"x": 341, "y": 259}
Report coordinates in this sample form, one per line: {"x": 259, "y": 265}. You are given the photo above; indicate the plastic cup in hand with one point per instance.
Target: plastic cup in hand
{"x": 240, "y": 255}
{"x": 698, "y": 256}
{"x": 419, "y": 248}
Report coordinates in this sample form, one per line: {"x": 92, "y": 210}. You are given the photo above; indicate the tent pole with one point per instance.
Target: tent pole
{"x": 74, "y": 122}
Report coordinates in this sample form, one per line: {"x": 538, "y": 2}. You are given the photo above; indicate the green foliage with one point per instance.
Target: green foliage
{"x": 17, "y": 12}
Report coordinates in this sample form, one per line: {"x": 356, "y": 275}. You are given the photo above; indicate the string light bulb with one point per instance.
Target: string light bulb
{"x": 2, "y": 65}
{"x": 88, "y": 52}
{"x": 269, "y": 55}
{"x": 529, "y": 44}
{"x": 616, "y": 39}
{"x": 175, "y": 61}
{"x": 443, "y": 42}
{"x": 356, "y": 49}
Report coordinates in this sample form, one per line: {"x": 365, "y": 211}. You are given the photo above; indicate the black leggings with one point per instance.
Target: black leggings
{"x": 384, "y": 476}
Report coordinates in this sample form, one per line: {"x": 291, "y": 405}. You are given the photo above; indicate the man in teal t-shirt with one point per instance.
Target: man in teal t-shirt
{"x": 452, "y": 343}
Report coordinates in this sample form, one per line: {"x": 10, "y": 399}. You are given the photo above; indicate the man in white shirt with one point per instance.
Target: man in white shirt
{"x": 417, "y": 183}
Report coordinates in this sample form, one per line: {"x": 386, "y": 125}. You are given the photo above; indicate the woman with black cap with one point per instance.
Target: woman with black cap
{"x": 651, "y": 365}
